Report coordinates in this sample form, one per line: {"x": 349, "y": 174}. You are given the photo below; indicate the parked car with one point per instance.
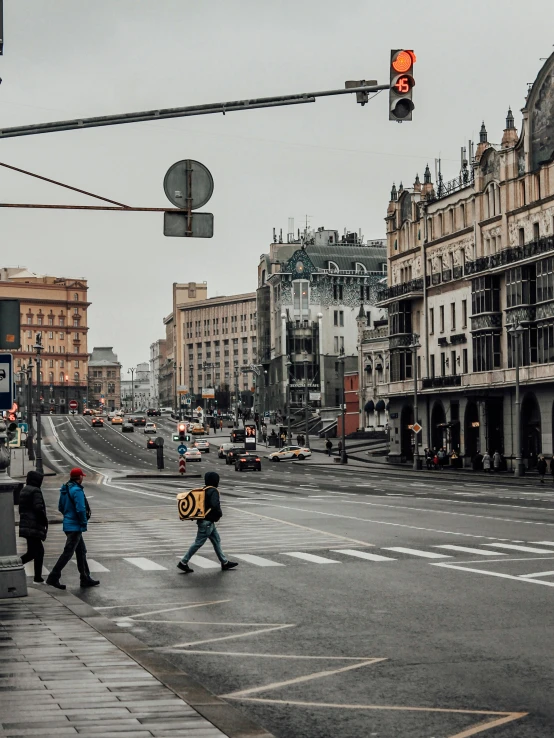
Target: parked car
{"x": 248, "y": 461}
{"x": 222, "y": 453}
{"x": 193, "y": 454}
{"x": 97, "y": 422}
{"x": 290, "y": 452}
{"x": 151, "y": 443}
{"x": 128, "y": 428}
{"x": 233, "y": 452}
{"x": 202, "y": 444}
{"x": 117, "y": 420}
{"x": 150, "y": 428}
{"x": 140, "y": 421}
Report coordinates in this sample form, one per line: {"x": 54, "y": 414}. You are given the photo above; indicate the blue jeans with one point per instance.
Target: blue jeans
{"x": 206, "y": 531}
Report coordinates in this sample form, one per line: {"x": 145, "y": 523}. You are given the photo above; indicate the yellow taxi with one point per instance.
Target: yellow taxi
{"x": 117, "y": 420}
{"x": 197, "y": 430}
{"x": 290, "y": 452}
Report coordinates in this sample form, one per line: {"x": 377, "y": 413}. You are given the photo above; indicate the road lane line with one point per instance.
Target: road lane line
{"x": 467, "y": 549}
{"x": 146, "y": 564}
{"x": 513, "y": 547}
{"x": 538, "y": 574}
{"x": 310, "y": 557}
{"x": 257, "y": 560}
{"x": 416, "y": 552}
{"x": 362, "y": 554}
{"x": 204, "y": 563}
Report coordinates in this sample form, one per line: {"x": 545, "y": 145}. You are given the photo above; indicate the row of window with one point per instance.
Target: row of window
{"x": 453, "y": 322}
{"x": 211, "y": 326}
{"x": 110, "y": 373}
{"x": 62, "y": 378}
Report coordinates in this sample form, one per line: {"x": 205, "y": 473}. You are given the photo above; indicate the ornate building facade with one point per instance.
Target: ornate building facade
{"x": 468, "y": 261}
{"x": 310, "y": 292}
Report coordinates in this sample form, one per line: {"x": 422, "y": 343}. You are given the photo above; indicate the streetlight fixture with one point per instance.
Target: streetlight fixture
{"x": 288, "y": 365}
{"x": 414, "y": 347}
{"x": 305, "y": 361}
{"x": 515, "y": 332}
{"x": 343, "y": 456}
{"x": 38, "y": 349}
{"x": 30, "y": 431}
{"x": 132, "y": 373}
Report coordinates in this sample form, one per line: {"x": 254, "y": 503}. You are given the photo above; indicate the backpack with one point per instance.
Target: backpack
{"x": 192, "y": 505}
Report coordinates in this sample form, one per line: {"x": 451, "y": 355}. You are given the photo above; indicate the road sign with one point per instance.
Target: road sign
{"x": 182, "y": 465}
{"x": 73, "y": 404}
{"x": 24, "y": 427}
{"x": 188, "y": 401}
{"x": 188, "y": 184}
{"x": 267, "y": 414}
{"x": 6, "y": 381}
{"x": 16, "y": 440}
{"x": 416, "y": 427}
{"x": 176, "y": 224}
{"x": 181, "y": 448}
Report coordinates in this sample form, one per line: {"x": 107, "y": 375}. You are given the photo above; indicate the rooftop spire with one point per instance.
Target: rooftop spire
{"x": 393, "y": 193}
{"x": 401, "y": 188}
{"x": 427, "y": 175}
{"x": 510, "y": 120}
{"x": 361, "y": 312}
{"x": 483, "y": 133}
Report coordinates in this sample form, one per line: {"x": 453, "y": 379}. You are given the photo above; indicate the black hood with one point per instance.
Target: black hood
{"x": 34, "y": 478}
{"x": 211, "y": 479}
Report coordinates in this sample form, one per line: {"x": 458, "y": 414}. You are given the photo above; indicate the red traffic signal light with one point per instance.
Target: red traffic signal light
{"x": 401, "y": 84}
{"x": 181, "y": 428}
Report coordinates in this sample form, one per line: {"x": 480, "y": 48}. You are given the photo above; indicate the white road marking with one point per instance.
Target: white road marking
{"x": 257, "y": 560}
{"x": 30, "y": 569}
{"x": 416, "y": 552}
{"x": 363, "y": 554}
{"x": 146, "y": 564}
{"x": 467, "y": 549}
{"x": 494, "y": 574}
{"x": 204, "y": 563}
{"x": 310, "y": 557}
{"x": 538, "y": 574}
{"x": 96, "y": 566}
{"x": 513, "y": 547}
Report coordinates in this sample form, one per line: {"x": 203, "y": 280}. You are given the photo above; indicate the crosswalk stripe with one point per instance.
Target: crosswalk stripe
{"x": 30, "y": 569}
{"x": 363, "y": 554}
{"x": 257, "y": 560}
{"x": 145, "y": 564}
{"x": 310, "y": 557}
{"x": 204, "y": 563}
{"x": 513, "y": 547}
{"x": 467, "y": 549}
{"x": 544, "y": 543}
{"x": 415, "y": 552}
{"x": 96, "y": 566}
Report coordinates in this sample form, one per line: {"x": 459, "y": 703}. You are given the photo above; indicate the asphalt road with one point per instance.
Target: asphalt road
{"x": 366, "y": 602}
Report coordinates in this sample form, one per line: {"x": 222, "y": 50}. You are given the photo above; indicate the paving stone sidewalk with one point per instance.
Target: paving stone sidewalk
{"x": 61, "y": 676}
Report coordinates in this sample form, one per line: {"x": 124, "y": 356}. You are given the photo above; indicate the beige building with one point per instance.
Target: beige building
{"x": 55, "y": 307}
{"x": 469, "y": 261}
{"x": 104, "y": 379}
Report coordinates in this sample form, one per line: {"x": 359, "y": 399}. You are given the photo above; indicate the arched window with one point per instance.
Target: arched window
{"x": 452, "y": 228}
{"x": 51, "y": 377}
{"x": 522, "y": 193}
{"x": 76, "y": 376}
{"x": 462, "y": 216}
{"x": 360, "y": 268}
{"x": 333, "y": 267}
{"x": 440, "y": 225}
{"x": 61, "y": 378}
{"x": 537, "y": 187}
{"x": 76, "y": 296}
{"x": 430, "y": 229}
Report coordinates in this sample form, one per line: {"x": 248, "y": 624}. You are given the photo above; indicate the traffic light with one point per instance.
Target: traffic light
{"x": 401, "y": 84}
{"x": 12, "y": 431}
{"x": 181, "y": 429}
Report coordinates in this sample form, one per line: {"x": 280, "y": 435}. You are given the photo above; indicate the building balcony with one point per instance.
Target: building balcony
{"x": 454, "y": 380}
{"x": 413, "y": 288}
{"x": 510, "y": 255}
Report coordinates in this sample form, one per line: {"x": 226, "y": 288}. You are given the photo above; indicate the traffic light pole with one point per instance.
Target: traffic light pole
{"x": 191, "y": 110}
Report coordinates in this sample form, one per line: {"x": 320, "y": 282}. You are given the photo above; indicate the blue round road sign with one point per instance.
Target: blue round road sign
{"x": 181, "y": 448}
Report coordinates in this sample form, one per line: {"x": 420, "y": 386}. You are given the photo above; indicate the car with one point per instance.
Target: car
{"x": 97, "y": 422}
{"x": 233, "y": 452}
{"x": 290, "y": 452}
{"x": 248, "y": 461}
{"x": 193, "y": 454}
{"x": 222, "y": 453}
{"x": 87, "y": 411}
{"x": 151, "y": 412}
{"x": 203, "y": 445}
{"x": 150, "y": 428}
{"x": 140, "y": 421}
{"x": 197, "y": 429}
{"x": 230, "y": 422}
{"x": 151, "y": 443}
{"x": 127, "y": 428}
{"x": 117, "y": 420}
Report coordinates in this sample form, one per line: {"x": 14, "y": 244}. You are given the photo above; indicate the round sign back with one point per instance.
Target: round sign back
{"x": 188, "y": 183}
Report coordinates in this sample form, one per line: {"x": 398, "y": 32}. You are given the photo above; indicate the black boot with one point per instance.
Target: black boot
{"x": 89, "y": 582}
{"x": 54, "y": 583}
{"x": 229, "y": 565}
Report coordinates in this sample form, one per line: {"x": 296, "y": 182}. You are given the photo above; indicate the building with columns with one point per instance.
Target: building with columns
{"x": 469, "y": 260}
{"x": 104, "y": 381}
{"x": 310, "y": 293}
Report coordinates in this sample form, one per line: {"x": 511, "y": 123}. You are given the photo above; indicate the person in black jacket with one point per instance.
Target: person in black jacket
{"x": 206, "y": 527}
{"x": 33, "y": 523}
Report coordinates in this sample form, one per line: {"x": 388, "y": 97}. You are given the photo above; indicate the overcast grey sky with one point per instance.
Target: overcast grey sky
{"x": 333, "y": 160}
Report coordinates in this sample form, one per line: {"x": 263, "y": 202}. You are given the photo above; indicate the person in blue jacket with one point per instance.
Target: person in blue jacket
{"x": 76, "y": 511}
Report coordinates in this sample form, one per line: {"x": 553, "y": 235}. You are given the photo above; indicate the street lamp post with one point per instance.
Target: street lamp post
{"x": 305, "y": 362}
{"x": 38, "y": 348}
{"x": 288, "y": 365}
{"x": 132, "y": 373}
{"x": 515, "y": 332}
{"x": 414, "y": 347}
{"x": 30, "y": 431}
{"x": 343, "y": 456}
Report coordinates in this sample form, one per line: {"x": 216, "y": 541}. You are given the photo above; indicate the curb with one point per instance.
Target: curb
{"x": 222, "y": 715}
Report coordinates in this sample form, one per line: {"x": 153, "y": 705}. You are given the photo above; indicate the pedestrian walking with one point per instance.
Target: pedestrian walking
{"x": 264, "y": 435}
{"x": 541, "y": 467}
{"x": 299, "y": 439}
{"x": 283, "y": 438}
{"x": 206, "y": 527}
{"x": 221, "y": 425}
{"x": 429, "y": 458}
{"x": 487, "y": 462}
{"x": 497, "y": 461}
{"x": 339, "y": 447}
{"x": 33, "y": 523}
{"x": 442, "y": 457}
{"x": 329, "y": 446}
{"x": 75, "y": 509}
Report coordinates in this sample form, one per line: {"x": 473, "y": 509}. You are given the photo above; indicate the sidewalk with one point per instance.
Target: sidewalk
{"x": 66, "y": 670}
{"x": 20, "y": 464}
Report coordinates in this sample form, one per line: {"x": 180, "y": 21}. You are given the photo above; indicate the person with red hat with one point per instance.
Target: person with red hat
{"x": 76, "y": 511}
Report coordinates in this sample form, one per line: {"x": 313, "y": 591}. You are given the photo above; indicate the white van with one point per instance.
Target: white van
{"x": 165, "y": 410}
